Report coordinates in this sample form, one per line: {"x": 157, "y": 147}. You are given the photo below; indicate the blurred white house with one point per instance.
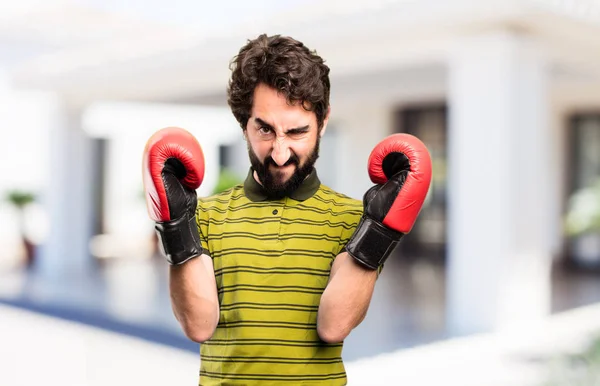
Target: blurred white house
{"x": 506, "y": 94}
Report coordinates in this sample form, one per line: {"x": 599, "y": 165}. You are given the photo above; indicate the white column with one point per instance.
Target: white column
{"x": 25, "y": 117}
{"x": 69, "y": 198}
{"x": 499, "y": 252}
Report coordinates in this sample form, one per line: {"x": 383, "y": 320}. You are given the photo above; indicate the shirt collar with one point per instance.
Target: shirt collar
{"x": 255, "y": 192}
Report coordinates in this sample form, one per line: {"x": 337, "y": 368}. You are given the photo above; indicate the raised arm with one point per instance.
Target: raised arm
{"x": 400, "y": 166}
{"x": 173, "y": 168}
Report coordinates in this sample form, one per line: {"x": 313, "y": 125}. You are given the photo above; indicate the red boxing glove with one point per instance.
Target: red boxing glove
{"x": 400, "y": 165}
{"x": 173, "y": 168}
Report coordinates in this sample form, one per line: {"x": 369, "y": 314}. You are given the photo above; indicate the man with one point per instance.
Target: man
{"x": 273, "y": 274}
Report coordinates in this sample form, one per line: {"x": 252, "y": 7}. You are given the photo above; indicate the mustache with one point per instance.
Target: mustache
{"x": 293, "y": 160}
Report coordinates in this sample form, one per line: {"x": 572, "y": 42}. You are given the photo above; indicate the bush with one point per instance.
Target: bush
{"x": 19, "y": 198}
{"x": 227, "y": 179}
{"x": 581, "y": 369}
{"x": 583, "y": 214}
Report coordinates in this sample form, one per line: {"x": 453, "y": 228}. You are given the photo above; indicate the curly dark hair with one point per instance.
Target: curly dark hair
{"x": 284, "y": 64}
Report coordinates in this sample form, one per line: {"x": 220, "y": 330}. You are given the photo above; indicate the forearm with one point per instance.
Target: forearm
{"x": 194, "y": 297}
{"x": 346, "y": 299}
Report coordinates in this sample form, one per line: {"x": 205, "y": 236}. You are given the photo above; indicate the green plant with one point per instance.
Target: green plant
{"x": 583, "y": 215}
{"x": 580, "y": 369}
{"x": 227, "y": 179}
{"x": 19, "y": 198}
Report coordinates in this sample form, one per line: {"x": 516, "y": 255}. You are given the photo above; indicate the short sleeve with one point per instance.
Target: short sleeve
{"x": 351, "y": 219}
{"x": 202, "y": 220}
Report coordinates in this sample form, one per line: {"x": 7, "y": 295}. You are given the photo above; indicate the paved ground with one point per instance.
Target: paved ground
{"x": 125, "y": 332}
{"x": 37, "y": 349}
{"x": 40, "y": 350}
{"x": 132, "y": 298}
{"x": 524, "y": 357}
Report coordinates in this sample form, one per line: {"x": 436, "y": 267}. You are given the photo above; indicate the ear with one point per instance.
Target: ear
{"x": 325, "y": 121}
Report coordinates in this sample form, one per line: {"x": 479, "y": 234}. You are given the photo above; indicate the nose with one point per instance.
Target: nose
{"x": 281, "y": 151}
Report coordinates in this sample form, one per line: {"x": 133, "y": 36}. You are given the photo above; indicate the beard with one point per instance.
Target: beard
{"x": 273, "y": 182}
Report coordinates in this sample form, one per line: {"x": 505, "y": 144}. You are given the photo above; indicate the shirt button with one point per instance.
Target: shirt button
{"x": 275, "y": 211}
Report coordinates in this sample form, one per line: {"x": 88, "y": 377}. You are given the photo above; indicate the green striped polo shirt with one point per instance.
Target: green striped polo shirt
{"x": 272, "y": 260}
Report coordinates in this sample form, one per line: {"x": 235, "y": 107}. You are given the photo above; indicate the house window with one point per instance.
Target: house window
{"x": 583, "y": 248}
{"x": 428, "y": 236}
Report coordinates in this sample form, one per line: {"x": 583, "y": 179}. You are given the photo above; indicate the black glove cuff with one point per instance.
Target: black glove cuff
{"x": 180, "y": 239}
{"x": 372, "y": 243}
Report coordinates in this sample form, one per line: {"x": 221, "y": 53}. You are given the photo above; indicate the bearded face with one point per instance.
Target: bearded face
{"x": 283, "y": 141}
{"x": 277, "y": 181}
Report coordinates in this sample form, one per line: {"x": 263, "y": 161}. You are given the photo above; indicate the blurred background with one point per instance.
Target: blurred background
{"x": 505, "y": 94}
